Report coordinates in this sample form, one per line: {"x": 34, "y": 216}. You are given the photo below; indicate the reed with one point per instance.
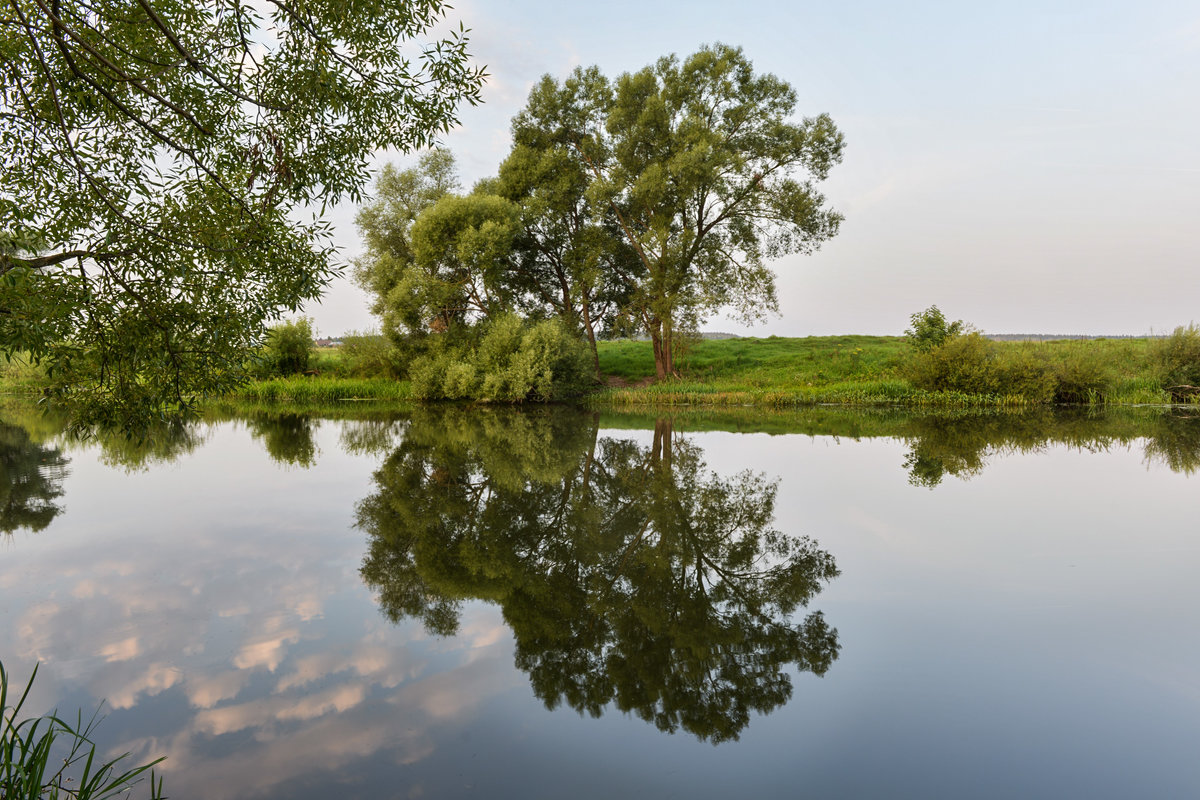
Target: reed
{"x": 47, "y": 758}
{"x": 321, "y": 389}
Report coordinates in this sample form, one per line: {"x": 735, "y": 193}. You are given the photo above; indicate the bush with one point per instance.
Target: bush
{"x": 960, "y": 364}
{"x": 1022, "y": 372}
{"x": 1083, "y": 376}
{"x": 370, "y": 355}
{"x": 971, "y": 364}
{"x": 930, "y": 329}
{"x": 513, "y": 361}
{"x": 1179, "y": 357}
{"x": 288, "y": 348}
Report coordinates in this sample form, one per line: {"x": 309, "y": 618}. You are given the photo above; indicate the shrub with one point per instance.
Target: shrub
{"x": 426, "y": 374}
{"x": 459, "y": 381}
{"x": 514, "y": 361}
{"x": 930, "y": 329}
{"x": 288, "y": 348}
{"x": 1022, "y": 372}
{"x": 1179, "y": 357}
{"x": 965, "y": 363}
{"x": 371, "y": 355}
{"x": 1083, "y": 376}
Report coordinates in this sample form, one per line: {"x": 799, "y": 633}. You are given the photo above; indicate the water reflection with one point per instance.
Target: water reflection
{"x": 31, "y": 477}
{"x": 245, "y": 647}
{"x": 158, "y": 444}
{"x": 1175, "y": 442}
{"x": 962, "y": 444}
{"x": 287, "y": 437}
{"x": 630, "y": 575}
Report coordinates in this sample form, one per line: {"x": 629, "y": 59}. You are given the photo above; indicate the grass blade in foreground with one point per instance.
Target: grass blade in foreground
{"x": 28, "y": 746}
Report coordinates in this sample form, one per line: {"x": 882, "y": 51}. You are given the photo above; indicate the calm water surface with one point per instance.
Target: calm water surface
{"x": 557, "y": 604}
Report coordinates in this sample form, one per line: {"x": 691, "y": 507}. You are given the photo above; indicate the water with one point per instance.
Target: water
{"x": 452, "y": 603}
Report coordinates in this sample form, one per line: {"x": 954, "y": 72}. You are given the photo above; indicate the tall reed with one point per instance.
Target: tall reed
{"x": 47, "y": 758}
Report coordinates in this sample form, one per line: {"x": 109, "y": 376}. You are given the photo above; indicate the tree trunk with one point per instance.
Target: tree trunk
{"x": 661, "y": 335}
{"x": 656, "y": 339}
{"x": 669, "y": 347}
{"x": 591, "y": 334}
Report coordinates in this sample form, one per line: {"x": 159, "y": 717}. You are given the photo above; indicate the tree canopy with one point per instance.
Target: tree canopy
{"x": 157, "y": 155}
{"x": 711, "y": 178}
{"x": 647, "y": 203}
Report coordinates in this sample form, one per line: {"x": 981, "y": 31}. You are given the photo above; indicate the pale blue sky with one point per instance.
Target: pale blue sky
{"x": 1029, "y": 167}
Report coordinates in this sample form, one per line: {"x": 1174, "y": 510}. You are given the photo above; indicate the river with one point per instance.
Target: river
{"x": 457, "y": 602}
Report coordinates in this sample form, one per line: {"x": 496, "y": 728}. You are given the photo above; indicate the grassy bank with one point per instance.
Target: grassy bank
{"x": 771, "y": 372}
{"x": 321, "y": 389}
{"x": 863, "y": 370}
{"x": 20, "y": 378}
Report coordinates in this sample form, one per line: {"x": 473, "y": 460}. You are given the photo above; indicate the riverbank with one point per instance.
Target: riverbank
{"x": 773, "y": 372}
{"x": 875, "y": 371}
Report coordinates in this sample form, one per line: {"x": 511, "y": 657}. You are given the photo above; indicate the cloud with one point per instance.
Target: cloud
{"x": 123, "y": 650}
{"x": 205, "y": 691}
{"x": 152, "y": 680}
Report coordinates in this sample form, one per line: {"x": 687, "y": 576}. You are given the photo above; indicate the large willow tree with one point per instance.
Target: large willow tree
{"x": 156, "y": 154}
{"x": 709, "y": 175}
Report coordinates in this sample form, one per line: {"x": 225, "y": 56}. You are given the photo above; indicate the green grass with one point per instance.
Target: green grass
{"x": 845, "y": 370}
{"x": 771, "y": 372}
{"x": 19, "y": 376}
{"x": 765, "y": 363}
{"x": 321, "y": 389}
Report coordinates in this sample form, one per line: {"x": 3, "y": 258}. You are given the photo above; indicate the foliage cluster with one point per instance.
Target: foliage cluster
{"x": 930, "y": 329}
{"x": 155, "y": 154}
{"x": 1179, "y": 357}
{"x": 365, "y": 355}
{"x": 509, "y": 360}
{"x": 288, "y": 349}
{"x": 953, "y": 358}
{"x": 642, "y": 204}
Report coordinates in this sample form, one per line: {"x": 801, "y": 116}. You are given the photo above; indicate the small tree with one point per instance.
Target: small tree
{"x": 289, "y": 347}
{"x": 930, "y": 329}
{"x": 386, "y": 269}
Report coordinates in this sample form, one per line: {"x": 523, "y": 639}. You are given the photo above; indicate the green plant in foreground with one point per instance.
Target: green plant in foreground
{"x": 46, "y": 758}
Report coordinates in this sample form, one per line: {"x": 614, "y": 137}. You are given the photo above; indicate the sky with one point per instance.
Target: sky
{"x": 1029, "y": 167}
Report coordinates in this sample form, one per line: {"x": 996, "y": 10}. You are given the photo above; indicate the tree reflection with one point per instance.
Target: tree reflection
{"x": 287, "y": 437}
{"x": 629, "y": 574}
{"x": 161, "y": 443}
{"x": 1175, "y": 441}
{"x": 31, "y": 478}
{"x": 961, "y": 444}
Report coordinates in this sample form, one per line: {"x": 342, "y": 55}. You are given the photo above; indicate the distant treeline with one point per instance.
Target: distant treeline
{"x": 1054, "y": 337}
